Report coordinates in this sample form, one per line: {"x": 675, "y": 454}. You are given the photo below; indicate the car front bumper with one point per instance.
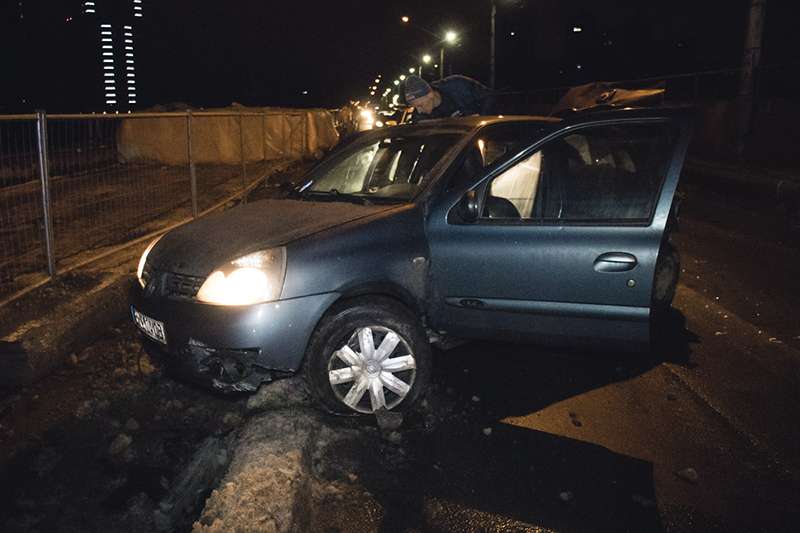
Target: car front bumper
{"x": 233, "y": 348}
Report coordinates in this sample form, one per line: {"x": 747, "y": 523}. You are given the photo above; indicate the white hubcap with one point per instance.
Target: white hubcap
{"x": 386, "y": 371}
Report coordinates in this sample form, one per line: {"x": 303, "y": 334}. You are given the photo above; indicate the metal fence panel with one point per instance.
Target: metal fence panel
{"x": 22, "y": 245}
{"x": 99, "y": 197}
{"x": 114, "y": 178}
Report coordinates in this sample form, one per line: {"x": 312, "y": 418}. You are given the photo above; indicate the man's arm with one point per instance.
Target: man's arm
{"x": 480, "y": 97}
{"x": 483, "y": 97}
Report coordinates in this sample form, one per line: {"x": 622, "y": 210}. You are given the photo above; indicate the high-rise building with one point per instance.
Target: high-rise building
{"x": 115, "y": 24}
{"x": 71, "y": 55}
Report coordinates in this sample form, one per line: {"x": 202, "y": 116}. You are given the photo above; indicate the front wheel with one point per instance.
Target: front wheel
{"x": 368, "y": 355}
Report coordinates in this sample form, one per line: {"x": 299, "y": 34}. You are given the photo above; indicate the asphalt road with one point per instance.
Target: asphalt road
{"x": 701, "y": 437}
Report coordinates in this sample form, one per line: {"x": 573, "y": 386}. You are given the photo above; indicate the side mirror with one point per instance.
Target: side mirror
{"x": 470, "y": 210}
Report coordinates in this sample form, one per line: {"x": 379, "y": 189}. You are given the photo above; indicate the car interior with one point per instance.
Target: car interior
{"x": 600, "y": 175}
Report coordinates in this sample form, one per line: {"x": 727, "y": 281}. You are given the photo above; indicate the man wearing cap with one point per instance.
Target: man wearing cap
{"x": 453, "y": 96}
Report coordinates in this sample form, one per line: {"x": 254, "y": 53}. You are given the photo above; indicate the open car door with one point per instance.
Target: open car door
{"x": 565, "y": 238}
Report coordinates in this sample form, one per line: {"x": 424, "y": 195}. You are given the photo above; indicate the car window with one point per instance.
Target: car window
{"x": 512, "y": 193}
{"x": 391, "y": 167}
{"x": 602, "y": 173}
{"x": 495, "y": 144}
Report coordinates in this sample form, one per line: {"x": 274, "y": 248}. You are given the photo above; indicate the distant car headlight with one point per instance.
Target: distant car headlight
{"x": 254, "y": 278}
{"x": 367, "y": 118}
{"x": 379, "y": 124}
{"x": 143, "y": 260}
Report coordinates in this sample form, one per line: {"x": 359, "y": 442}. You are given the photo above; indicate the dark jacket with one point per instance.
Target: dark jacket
{"x": 461, "y": 96}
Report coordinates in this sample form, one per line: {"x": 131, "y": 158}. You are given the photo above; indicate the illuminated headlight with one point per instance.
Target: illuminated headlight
{"x": 143, "y": 260}
{"x": 379, "y": 124}
{"x": 254, "y": 278}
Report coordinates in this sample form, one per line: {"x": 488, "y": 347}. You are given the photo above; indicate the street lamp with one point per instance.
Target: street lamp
{"x": 450, "y": 37}
{"x": 402, "y": 77}
{"x": 425, "y": 60}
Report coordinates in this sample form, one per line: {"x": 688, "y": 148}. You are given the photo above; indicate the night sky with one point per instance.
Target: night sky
{"x": 259, "y": 52}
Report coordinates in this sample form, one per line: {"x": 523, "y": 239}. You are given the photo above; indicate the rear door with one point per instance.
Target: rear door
{"x": 569, "y": 232}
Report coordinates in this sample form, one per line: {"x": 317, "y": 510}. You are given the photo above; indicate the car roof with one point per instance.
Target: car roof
{"x": 478, "y": 121}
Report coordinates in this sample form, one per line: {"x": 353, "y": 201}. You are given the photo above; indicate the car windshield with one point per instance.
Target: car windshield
{"x": 394, "y": 166}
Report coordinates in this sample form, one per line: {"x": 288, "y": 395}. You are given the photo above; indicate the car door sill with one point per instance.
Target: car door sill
{"x": 567, "y": 309}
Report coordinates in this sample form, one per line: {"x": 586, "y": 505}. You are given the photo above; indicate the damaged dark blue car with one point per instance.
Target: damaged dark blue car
{"x": 516, "y": 228}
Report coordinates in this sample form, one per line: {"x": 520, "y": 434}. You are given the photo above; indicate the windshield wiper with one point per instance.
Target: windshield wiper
{"x": 335, "y": 195}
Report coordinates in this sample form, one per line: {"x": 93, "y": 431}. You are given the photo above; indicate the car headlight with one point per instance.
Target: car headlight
{"x": 143, "y": 260}
{"x": 254, "y": 278}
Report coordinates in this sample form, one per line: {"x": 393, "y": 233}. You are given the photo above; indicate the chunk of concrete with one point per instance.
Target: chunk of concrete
{"x": 279, "y": 394}
{"x": 267, "y": 487}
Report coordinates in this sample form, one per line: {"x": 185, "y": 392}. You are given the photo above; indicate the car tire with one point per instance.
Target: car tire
{"x": 342, "y": 376}
{"x": 665, "y": 280}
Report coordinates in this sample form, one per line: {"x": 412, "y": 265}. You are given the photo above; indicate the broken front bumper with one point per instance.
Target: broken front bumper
{"x": 233, "y": 348}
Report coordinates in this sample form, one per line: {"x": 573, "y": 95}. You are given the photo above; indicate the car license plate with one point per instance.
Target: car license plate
{"x": 149, "y": 326}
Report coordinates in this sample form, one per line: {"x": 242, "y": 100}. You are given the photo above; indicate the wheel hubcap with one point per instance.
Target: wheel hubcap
{"x": 374, "y": 369}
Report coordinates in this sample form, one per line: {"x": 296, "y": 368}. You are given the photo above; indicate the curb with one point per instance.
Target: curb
{"x": 778, "y": 187}
{"x": 42, "y": 345}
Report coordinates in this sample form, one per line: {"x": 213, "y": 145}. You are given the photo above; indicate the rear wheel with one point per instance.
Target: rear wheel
{"x": 367, "y": 355}
{"x": 668, "y": 267}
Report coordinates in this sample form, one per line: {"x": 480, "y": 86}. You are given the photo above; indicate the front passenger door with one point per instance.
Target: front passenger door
{"x": 566, "y": 244}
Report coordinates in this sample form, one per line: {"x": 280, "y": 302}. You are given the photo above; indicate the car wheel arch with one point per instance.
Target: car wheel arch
{"x": 378, "y": 290}
{"x": 373, "y": 293}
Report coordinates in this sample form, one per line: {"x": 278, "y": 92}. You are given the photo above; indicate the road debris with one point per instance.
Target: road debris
{"x": 232, "y": 419}
{"x": 120, "y": 443}
{"x": 131, "y": 425}
{"x": 279, "y": 394}
{"x": 388, "y": 420}
{"x": 394, "y": 437}
{"x": 181, "y": 504}
{"x": 688, "y": 474}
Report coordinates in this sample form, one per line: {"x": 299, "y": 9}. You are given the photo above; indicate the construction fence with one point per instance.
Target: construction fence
{"x": 74, "y": 187}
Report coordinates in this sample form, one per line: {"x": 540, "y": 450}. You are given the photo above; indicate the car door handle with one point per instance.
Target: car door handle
{"x": 615, "y": 262}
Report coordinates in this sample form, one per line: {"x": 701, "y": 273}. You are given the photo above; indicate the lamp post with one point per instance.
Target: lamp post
{"x": 492, "y": 46}
{"x": 450, "y": 37}
{"x": 426, "y": 60}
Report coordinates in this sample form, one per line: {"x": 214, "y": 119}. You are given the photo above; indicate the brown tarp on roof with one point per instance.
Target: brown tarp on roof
{"x": 605, "y": 94}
